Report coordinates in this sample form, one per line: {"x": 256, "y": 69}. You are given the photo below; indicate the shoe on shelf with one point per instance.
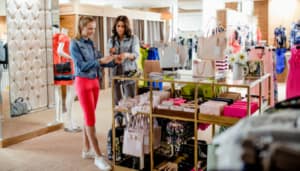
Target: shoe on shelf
{"x": 102, "y": 164}
{"x": 88, "y": 154}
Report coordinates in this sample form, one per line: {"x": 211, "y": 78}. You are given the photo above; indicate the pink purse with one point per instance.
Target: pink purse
{"x": 239, "y": 109}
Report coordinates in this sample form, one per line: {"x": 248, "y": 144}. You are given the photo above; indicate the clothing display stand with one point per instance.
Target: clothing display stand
{"x": 196, "y": 117}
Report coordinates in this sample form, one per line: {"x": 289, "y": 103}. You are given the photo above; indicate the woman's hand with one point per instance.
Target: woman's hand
{"x": 118, "y": 59}
{"x": 106, "y": 59}
{"x": 127, "y": 55}
{"x": 112, "y": 50}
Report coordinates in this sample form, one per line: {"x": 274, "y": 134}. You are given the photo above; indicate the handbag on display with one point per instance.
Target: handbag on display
{"x": 212, "y": 47}
{"x": 19, "y": 107}
{"x": 62, "y": 68}
{"x": 136, "y": 138}
{"x": 203, "y": 68}
{"x": 119, "y": 130}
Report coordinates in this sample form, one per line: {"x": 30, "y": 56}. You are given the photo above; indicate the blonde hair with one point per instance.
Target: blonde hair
{"x": 83, "y": 21}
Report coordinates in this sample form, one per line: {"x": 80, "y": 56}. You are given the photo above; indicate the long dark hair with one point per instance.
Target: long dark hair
{"x": 83, "y": 21}
{"x": 125, "y": 20}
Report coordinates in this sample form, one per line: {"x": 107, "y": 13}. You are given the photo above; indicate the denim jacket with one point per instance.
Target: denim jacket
{"x": 128, "y": 44}
{"x": 86, "y": 59}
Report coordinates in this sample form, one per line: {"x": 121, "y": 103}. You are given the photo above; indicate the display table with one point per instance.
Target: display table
{"x": 196, "y": 117}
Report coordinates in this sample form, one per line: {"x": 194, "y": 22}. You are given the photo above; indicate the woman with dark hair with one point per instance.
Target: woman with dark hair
{"x": 88, "y": 63}
{"x": 125, "y": 44}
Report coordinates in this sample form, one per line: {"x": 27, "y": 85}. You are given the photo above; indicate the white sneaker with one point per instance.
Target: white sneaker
{"x": 88, "y": 154}
{"x": 102, "y": 164}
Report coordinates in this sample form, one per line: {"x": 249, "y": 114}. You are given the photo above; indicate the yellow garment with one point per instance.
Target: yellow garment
{"x": 140, "y": 63}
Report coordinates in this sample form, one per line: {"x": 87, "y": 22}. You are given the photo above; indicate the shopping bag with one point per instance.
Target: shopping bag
{"x": 212, "y": 47}
{"x": 203, "y": 68}
{"x": 133, "y": 139}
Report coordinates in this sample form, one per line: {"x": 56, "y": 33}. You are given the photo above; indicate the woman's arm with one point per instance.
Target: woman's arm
{"x": 78, "y": 58}
{"x": 60, "y": 51}
{"x": 135, "y": 54}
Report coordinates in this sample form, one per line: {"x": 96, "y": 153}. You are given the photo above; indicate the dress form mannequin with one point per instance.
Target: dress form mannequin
{"x": 63, "y": 55}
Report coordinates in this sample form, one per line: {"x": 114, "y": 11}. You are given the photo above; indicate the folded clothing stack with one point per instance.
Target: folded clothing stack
{"x": 156, "y": 76}
{"x": 239, "y": 109}
{"x": 231, "y": 95}
{"x": 141, "y": 102}
{"x": 172, "y": 104}
{"x": 222, "y": 65}
{"x": 213, "y": 107}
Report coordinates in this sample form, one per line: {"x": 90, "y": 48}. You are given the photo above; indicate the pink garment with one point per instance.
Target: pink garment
{"x": 293, "y": 80}
{"x": 267, "y": 56}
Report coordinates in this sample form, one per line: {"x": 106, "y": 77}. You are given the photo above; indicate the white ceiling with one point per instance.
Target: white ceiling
{"x": 190, "y": 4}
{"x": 182, "y": 4}
{"x": 132, "y": 3}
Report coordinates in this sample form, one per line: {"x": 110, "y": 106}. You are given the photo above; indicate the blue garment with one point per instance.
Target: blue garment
{"x": 153, "y": 54}
{"x": 280, "y": 37}
{"x": 280, "y": 60}
{"x": 86, "y": 59}
{"x": 295, "y": 34}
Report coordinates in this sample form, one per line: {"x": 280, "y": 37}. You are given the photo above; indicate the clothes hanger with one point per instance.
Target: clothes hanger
{"x": 259, "y": 47}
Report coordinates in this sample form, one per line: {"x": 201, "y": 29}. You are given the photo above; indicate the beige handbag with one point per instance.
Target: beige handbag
{"x": 203, "y": 68}
{"x": 212, "y": 47}
{"x": 133, "y": 140}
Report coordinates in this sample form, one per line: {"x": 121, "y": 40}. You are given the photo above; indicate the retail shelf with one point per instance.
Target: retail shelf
{"x": 218, "y": 120}
{"x": 171, "y": 114}
{"x": 121, "y": 168}
{"x": 195, "y": 116}
{"x": 127, "y": 111}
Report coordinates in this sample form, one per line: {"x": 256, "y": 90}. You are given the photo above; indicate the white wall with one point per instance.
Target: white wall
{"x": 190, "y": 21}
{"x": 209, "y": 14}
{"x": 2, "y": 8}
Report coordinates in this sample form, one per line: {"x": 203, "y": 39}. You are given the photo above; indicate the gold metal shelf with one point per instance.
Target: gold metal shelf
{"x": 195, "y": 116}
{"x": 127, "y": 111}
{"x": 172, "y": 117}
{"x": 218, "y": 120}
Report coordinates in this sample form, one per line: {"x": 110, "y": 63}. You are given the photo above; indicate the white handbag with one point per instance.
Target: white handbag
{"x": 212, "y": 47}
{"x": 203, "y": 68}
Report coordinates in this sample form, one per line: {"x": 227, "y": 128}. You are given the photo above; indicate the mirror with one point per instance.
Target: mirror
{"x": 27, "y": 91}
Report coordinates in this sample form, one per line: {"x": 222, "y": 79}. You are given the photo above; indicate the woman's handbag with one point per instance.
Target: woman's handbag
{"x": 63, "y": 67}
{"x": 133, "y": 139}
{"x": 19, "y": 107}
